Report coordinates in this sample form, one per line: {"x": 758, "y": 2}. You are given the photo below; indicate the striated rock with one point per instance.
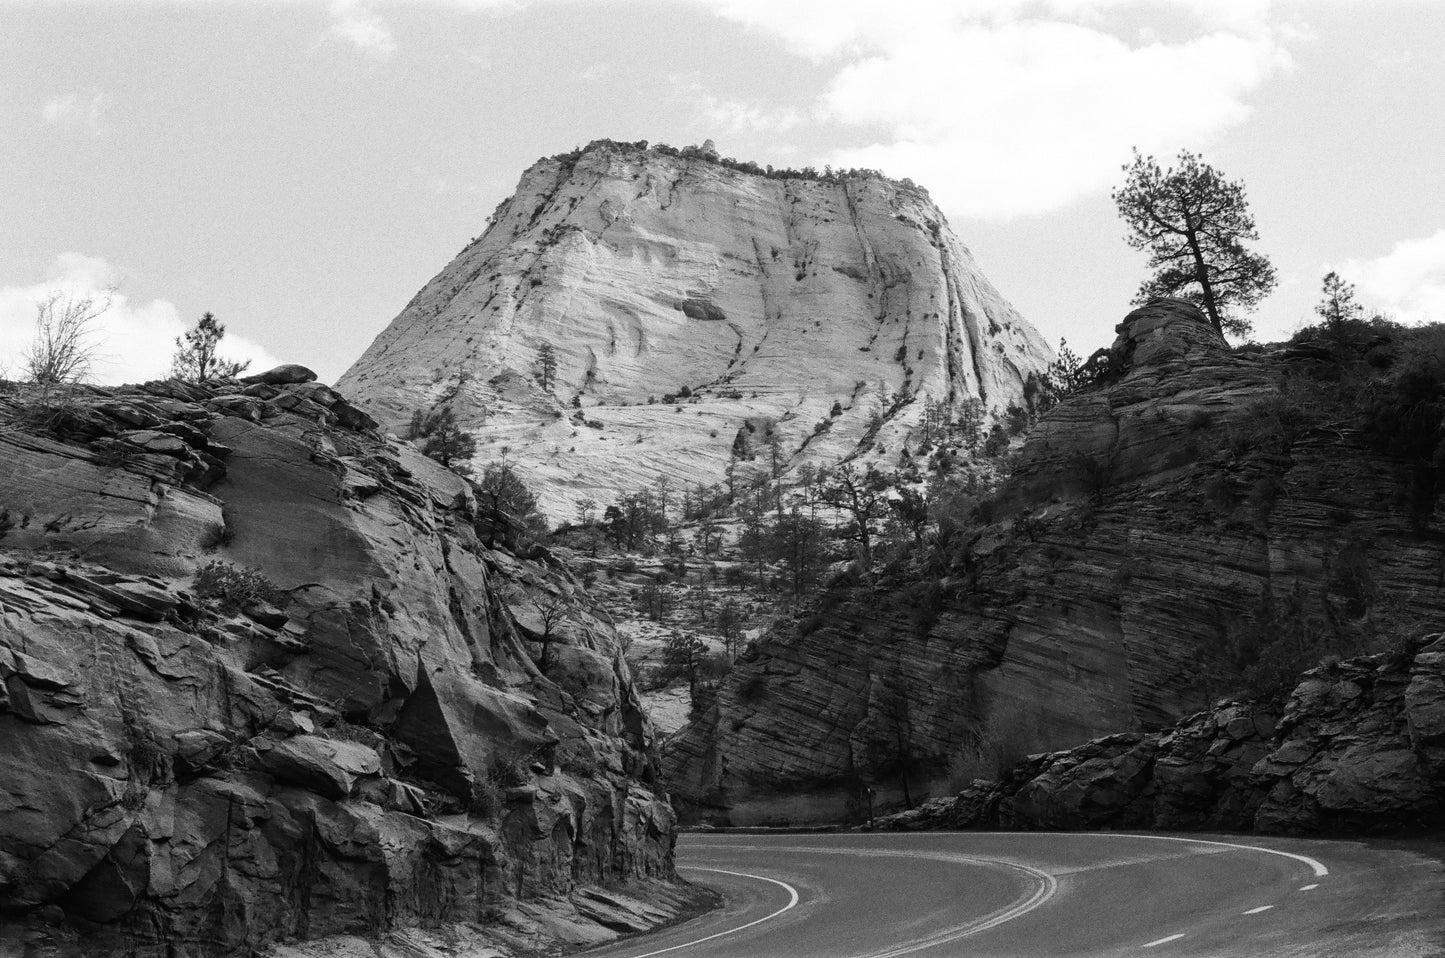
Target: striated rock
{"x": 694, "y": 307}
{"x": 1156, "y": 532}
{"x": 323, "y": 768}
{"x": 1340, "y": 760}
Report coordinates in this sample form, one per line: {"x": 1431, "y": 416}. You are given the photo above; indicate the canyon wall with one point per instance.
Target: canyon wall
{"x": 1157, "y": 532}
{"x": 261, "y": 681}
{"x": 1359, "y": 747}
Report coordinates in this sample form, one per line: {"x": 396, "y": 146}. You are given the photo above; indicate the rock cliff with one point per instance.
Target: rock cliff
{"x": 1161, "y": 535}
{"x": 695, "y": 309}
{"x": 1359, "y": 747}
{"x": 262, "y": 682}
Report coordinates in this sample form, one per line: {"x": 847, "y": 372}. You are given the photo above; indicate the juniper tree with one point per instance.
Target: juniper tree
{"x": 1193, "y": 222}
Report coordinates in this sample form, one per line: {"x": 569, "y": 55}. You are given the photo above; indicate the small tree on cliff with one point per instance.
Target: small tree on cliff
{"x": 443, "y": 439}
{"x": 546, "y": 365}
{"x": 195, "y": 358}
{"x": 1194, "y": 223}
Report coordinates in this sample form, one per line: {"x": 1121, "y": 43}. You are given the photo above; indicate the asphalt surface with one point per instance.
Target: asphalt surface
{"x": 984, "y": 894}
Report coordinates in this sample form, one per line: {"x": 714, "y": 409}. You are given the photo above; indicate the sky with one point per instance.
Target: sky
{"x": 301, "y": 168}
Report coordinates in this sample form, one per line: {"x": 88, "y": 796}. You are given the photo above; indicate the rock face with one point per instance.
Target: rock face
{"x": 344, "y": 733}
{"x": 695, "y": 310}
{"x": 1157, "y": 533}
{"x": 1360, "y": 747}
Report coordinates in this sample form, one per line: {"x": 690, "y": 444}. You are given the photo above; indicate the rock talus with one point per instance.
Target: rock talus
{"x": 348, "y": 738}
{"x": 695, "y": 311}
{"x": 1357, "y": 748}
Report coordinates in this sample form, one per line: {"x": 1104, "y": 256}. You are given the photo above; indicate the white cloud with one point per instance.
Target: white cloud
{"x": 367, "y": 32}
{"x": 1407, "y": 282}
{"x": 1019, "y": 107}
{"x": 133, "y": 341}
{"x": 75, "y": 110}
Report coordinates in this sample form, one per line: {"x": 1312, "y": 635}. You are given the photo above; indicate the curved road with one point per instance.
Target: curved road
{"x": 934, "y": 894}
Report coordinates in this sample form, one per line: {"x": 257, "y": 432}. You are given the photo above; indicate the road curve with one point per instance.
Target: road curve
{"x": 983, "y": 894}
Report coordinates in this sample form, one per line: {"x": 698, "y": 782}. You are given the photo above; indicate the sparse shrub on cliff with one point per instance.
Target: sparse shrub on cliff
{"x": 234, "y": 588}
{"x": 443, "y": 439}
{"x": 997, "y": 744}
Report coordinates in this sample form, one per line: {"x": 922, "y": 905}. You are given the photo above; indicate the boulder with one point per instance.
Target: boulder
{"x": 284, "y": 375}
{"x": 325, "y": 766}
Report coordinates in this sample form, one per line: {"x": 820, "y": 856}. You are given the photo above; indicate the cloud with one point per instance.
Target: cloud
{"x": 1408, "y": 281}
{"x": 367, "y": 32}
{"x": 75, "y": 110}
{"x": 1006, "y": 108}
{"x": 730, "y": 115}
{"x": 133, "y": 341}
{"x": 1024, "y": 118}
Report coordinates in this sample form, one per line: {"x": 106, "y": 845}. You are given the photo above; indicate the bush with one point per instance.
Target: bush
{"x": 234, "y": 588}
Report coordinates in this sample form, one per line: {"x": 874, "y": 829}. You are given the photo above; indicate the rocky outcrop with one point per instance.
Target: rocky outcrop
{"x": 262, "y": 682}
{"x": 696, "y": 309}
{"x": 1359, "y": 748}
{"x": 1161, "y": 535}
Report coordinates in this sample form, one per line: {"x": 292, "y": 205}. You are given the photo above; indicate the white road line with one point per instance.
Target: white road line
{"x": 1309, "y": 887}
{"x": 1045, "y": 887}
{"x": 1256, "y": 911}
{"x": 1315, "y": 864}
{"x": 1164, "y": 941}
{"x": 1048, "y": 885}
{"x": 792, "y": 901}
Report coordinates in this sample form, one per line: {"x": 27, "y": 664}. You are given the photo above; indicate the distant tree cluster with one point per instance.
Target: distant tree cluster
{"x": 826, "y": 175}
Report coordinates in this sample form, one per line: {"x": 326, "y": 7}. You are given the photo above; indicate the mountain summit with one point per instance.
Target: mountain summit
{"x": 635, "y": 312}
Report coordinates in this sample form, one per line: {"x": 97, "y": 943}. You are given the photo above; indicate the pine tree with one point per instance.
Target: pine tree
{"x": 195, "y": 358}
{"x": 546, "y": 366}
{"x": 1193, "y": 223}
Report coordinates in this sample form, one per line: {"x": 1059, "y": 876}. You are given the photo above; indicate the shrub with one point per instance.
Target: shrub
{"x": 232, "y": 587}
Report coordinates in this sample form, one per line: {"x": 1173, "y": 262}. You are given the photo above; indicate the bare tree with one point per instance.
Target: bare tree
{"x": 64, "y": 347}
{"x": 551, "y": 611}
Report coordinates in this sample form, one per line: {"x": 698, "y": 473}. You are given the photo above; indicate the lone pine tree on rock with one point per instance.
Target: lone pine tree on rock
{"x": 1194, "y": 223}
{"x": 195, "y": 358}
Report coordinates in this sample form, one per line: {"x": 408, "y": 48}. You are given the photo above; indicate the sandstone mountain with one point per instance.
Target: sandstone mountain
{"x": 1160, "y": 535}
{"x": 695, "y": 308}
{"x": 262, "y": 680}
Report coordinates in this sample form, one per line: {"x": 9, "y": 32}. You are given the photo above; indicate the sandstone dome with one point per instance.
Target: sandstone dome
{"x": 697, "y": 308}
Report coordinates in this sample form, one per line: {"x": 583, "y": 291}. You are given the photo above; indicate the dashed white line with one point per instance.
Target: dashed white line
{"x": 792, "y": 901}
{"x": 1256, "y": 911}
{"x": 1309, "y": 887}
{"x": 1164, "y": 941}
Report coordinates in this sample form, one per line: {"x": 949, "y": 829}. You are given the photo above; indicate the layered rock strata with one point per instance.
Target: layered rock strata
{"x": 1156, "y": 531}
{"x": 1358, "y": 748}
{"x": 696, "y": 312}
{"x": 261, "y": 681}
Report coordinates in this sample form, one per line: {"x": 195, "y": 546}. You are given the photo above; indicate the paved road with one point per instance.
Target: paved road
{"x": 1036, "y": 894}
